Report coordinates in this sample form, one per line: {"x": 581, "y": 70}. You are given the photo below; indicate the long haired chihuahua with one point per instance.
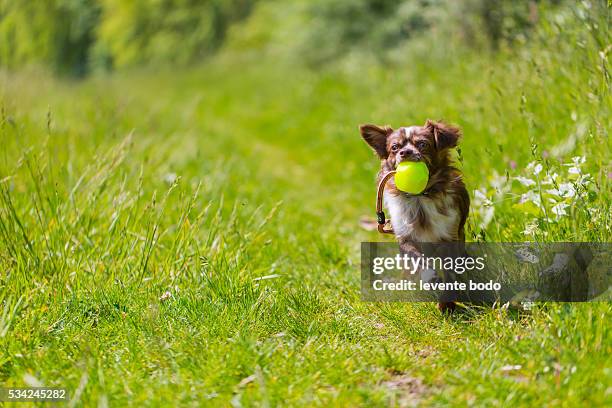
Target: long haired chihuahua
{"x": 439, "y": 213}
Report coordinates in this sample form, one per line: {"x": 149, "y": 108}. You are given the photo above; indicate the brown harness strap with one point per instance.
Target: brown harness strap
{"x": 380, "y": 214}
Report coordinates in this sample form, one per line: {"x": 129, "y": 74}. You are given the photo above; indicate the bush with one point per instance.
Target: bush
{"x": 57, "y": 33}
{"x": 163, "y": 31}
{"x": 72, "y": 36}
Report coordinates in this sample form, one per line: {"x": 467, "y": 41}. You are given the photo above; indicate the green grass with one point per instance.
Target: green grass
{"x": 237, "y": 188}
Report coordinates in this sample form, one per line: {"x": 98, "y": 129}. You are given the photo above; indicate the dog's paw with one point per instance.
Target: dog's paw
{"x": 446, "y": 307}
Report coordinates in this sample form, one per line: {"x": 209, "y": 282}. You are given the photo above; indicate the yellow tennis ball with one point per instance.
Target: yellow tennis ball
{"x": 411, "y": 177}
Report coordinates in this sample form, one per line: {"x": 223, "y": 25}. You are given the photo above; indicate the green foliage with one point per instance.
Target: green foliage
{"x": 164, "y": 31}
{"x": 57, "y": 33}
{"x": 343, "y": 25}
{"x": 77, "y": 36}
{"x": 191, "y": 237}
{"x": 325, "y": 31}
{"x": 73, "y": 36}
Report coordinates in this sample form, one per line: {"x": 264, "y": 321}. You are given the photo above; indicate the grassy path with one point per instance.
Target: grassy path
{"x": 182, "y": 238}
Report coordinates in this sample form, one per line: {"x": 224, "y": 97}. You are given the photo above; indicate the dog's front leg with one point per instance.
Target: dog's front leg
{"x": 415, "y": 250}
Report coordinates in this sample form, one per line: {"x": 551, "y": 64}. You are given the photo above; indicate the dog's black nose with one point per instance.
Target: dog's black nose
{"x": 408, "y": 153}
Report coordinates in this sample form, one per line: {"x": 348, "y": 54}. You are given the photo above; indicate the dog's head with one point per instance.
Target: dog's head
{"x": 428, "y": 143}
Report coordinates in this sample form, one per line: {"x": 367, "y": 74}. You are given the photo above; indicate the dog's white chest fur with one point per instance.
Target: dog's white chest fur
{"x": 441, "y": 221}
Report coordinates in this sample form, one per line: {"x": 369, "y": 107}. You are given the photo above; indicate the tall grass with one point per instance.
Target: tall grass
{"x": 192, "y": 237}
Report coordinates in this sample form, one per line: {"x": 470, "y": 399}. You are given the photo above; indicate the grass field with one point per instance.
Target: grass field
{"x": 193, "y": 236}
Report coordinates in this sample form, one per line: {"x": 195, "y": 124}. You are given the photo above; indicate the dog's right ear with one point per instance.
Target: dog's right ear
{"x": 376, "y": 137}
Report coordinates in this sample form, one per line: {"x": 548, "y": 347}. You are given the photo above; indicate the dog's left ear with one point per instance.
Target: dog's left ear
{"x": 376, "y": 137}
{"x": 445, "y": 136}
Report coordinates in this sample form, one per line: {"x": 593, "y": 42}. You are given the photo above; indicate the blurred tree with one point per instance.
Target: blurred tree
{"x": 72, "y": 36}
{"x": 58, "y": 33}
{"x": 76, "y": 36}
{"x": 342, "y": 25}
{"x": 163, "y": 31}
{"x": 507, "y": 20}
{"x": 494, "y": 23}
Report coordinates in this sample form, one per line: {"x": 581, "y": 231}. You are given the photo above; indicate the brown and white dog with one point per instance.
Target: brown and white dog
{"x": 440, "y": 212}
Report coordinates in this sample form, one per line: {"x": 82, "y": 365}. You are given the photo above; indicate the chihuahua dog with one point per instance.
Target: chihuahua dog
{"x": 439, "y": 213}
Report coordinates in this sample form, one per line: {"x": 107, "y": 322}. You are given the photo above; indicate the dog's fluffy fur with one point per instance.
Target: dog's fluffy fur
{"x": 440, "y": 212}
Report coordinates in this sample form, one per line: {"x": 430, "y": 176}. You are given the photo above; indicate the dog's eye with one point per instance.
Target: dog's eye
{"x": 421, "y": 145}
{"x": 394, "y": 147}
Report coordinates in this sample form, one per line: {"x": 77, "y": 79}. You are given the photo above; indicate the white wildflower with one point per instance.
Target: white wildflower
{"x": 584, "y": 179}
{"x": 549, "y": 179}
{"x": 565, "y": 190}
{"x": 500, "y": 184}
{"x": 481, "y": 199}
{"x": 525, "y": 181}
{"x": 537, "y": 169}
{"x": 574, "y": 166}
{"x": 170, "y": 178}
{"x": 485, "y": 207}
{"x": 511, "y": 367}
{"x": 559, "y": 210}
{"x": 531, "y": 196}
{"x": 531, "y": 228}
